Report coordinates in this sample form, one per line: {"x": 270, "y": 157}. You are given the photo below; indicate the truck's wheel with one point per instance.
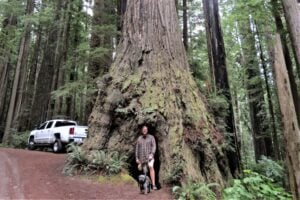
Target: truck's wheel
{"x": 31, "y": 145}
{"x": 57, "y": 146}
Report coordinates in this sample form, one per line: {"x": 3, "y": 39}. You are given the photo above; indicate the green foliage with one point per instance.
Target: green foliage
{"x": 270, "y": 169}
{"x": 76, "y": 160}
{"x": 96, "y": 162}
{"x": 17, "y": 140}
{"x": 20, "y": 140}
{"x": 255, "y": 186}
{"x": 218, "y": 104}
{"x": 194, "y": 191}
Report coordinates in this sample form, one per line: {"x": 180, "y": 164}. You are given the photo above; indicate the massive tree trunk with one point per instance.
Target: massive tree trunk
{"x": 150, "y": 83}
{"x": 291, "y": 127}
{"x": 292, "y": 15}
{"x": 22, "y": 59}
{"x": 217, "y": 61}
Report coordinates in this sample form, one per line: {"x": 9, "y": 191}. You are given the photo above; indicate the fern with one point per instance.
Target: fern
{"x": 194, "y": 191}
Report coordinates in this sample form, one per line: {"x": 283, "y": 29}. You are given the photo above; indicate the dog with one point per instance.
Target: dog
{"x": 144, "y": 183}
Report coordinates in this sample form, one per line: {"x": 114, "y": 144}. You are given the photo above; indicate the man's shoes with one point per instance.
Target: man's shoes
{"x": 154, "y": 187}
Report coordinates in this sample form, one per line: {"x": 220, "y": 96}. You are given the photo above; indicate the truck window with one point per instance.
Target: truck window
{"x": 42, "y": 126}
{"x": 64, "y": 123}
{"x": 49, "y": 124}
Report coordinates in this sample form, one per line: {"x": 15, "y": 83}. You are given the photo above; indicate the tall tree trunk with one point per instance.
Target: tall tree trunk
{"x": 121, "y": 9}
{"x": 23, "y": 72}
{"x": 217, "y": 60}
{"x": 45, "y": 76}
{"x": 269, "y": 98}
{"x": 98, "y": 67}
{"x": 262, "y": 140}
{"x": 8, "y": 24}
{"x": 291, "y": 127}
{"x": 24, "y": 117}
{"x": 61, "y": 55}
{"x": 62, "y": 14}
{"x": 185, "y": 24}
{"x": 292, "y": 15}
{"x": 150, "y": 83}
{"x": 22, "y": 58}
{"x": 287, "y": 56}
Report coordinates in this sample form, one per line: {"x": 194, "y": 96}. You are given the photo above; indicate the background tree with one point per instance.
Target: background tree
{"x": 217, "y": 60}
{"x": 18, "y": 84}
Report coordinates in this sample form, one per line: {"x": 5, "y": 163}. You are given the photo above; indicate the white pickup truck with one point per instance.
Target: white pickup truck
{"x": 56, "y": 134}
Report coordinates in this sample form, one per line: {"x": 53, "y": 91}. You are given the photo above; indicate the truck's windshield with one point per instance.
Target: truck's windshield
{"x": 64, "y": 123}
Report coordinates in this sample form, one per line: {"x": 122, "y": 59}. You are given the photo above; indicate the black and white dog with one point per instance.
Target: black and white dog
{"x": 144, "y": 183}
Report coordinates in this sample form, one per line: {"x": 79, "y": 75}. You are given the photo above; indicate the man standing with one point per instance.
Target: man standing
{"x": 144, "y": 153}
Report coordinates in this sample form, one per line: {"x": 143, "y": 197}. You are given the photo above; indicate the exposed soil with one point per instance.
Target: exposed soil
{"x": 38, "y": 175}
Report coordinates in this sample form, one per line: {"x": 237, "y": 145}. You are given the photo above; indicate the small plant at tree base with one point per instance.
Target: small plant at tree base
{"x": 116, "y": 163}
{"x": 255, "y": 186}
{"x": 194, "y": 191}
{"x": 76, "y": 160}
{"x": 97, "y": 162}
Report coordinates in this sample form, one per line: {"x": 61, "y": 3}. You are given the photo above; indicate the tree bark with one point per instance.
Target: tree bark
{"x": 22, "y": 58}
{"x": 217, "y": 61}
{"x": 291, "y": 127}
{"x": 292, "y": 15}
{"x": 150, "y": 83}
{"x": 287, "y": 55}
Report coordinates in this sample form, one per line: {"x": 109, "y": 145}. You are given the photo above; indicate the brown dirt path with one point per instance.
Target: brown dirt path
{"x": 38, "y": 175}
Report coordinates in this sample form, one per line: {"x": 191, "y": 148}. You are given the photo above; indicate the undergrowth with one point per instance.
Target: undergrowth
{"x": 255, "y": 186}
{"x": 263, "y": 182}
{"x": 97, "y": 162}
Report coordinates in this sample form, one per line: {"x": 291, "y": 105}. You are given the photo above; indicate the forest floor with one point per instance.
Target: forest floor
{"x": 38, "y": 175}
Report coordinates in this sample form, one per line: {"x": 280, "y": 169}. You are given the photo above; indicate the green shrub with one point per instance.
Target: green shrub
{"x": 19, "y": 140}
{"x": 77, "y": 161}
{"x": 255, "y": 186}
{"x": 194, "y": 191}
{"x": 116, "y": 162}
{"x": 270, "y": 169}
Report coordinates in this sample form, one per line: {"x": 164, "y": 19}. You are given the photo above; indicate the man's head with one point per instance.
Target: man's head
{"x": 145, "y": 130}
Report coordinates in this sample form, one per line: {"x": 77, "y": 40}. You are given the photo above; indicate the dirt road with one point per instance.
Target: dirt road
{"x": 38, "y": 175}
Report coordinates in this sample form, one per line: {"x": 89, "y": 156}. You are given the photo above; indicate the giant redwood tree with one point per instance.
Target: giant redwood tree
{"x": 150, "y": 83}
